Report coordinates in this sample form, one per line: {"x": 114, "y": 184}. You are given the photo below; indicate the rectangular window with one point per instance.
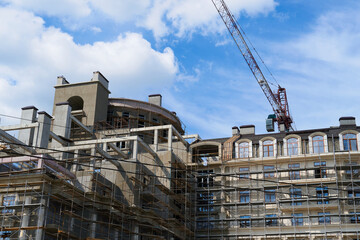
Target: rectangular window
{"x": 295, "y": 193}
{"x": 322, "y": 193}
{"x": 271, "y": 173}
{"x": 271, "y": 220}
{"x": 294, "y": 174}
{"x": 205, "y": 202}
{"x": 270, "y": 196}
{"x": 354, "y": 196}
{"x": 355, "y": 217}
{"x": 8, "y": 201}
{"x": 297, "y": 219}
{"x": 244, "y": 196}
{"x": 141, "y": 122}
{"x": 205, "y": 179}
{"x": 320, "y": 172}
{"x": 244, "y": 221}
{"x": 244, "y": 173}
{"x": 324, "y": 218}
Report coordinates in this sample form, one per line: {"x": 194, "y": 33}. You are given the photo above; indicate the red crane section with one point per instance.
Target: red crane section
{"x": 278, "y": 101}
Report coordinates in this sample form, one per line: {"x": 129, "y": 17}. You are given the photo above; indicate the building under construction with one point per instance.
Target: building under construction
{"x": 115, "y": 168}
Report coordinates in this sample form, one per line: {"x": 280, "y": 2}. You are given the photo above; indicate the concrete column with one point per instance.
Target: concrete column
{"x": 28, "y": 115}
{"x": 156, "y": 140}
{"x": 42, "y": 132}
{"x": 61, "y": 126}
{"x": 170, "y": 133}
{"x": 62, "y": 122}
{"x": 41, "y": 220}
{"x": 135, "y": 230}
{"x": 93, "y": 159}
{"x": 25, "y": 218}
{"x": 135, "y": 149}
{"x": 74, "y": 167}
{"x": 93, "y": 225}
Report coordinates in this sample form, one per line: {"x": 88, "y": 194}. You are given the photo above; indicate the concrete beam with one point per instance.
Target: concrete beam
{"x": 12, "y": 141}
{"x": 106, "y": 140}
{"x": 19, "y": 126}
{"x": 118, "y": 150}
{"x": 58, "y": 139}
{"x": 75, "y": 120}
{"x": 108, "y": 157}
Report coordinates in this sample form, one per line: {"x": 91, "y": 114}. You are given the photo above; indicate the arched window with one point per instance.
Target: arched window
{"x": 268, "y": 148}
{"x": 349, "y": 141}
{"x": 292, "y": 146}
{"x": 76, "y": 103}
{"x": 318, "y": 144}
{"x": 244, "y": 150}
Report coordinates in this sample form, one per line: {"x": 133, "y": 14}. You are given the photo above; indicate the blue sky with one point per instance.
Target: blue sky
{"x": 182, "y": 50}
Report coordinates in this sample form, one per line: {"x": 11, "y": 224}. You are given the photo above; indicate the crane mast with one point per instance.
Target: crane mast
{"x": 278, "y": 101}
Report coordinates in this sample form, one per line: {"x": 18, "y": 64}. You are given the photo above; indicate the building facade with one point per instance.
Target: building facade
{"x": 295, "y": 185}
{"x": 97, "y": 168}
{"x": 117, "y": 168}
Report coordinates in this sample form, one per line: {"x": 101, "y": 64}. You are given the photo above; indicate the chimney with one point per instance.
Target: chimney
{"x": 247, "y": 129}
{"x": 347, "y": 121}
{"x": 235, "y": 131}
{"x": 155, "y": 99}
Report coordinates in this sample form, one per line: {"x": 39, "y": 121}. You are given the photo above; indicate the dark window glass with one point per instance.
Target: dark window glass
{"x": 297, "y": 219}
{"x": 324, "y": 218}
{"x": 322, "y": 193}
{"x": 270, "y": 195}
{"x": 244, "y": 196}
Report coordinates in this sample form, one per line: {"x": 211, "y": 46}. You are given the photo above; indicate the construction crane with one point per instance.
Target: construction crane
{"x": 277, "y": 100}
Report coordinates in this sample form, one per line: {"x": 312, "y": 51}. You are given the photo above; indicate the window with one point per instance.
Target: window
{"x": 318, "y": 144}
{"x": 205, "y": 179}
{"x": 8, "y": 201}
{"x": 244, "y": 150}
{"x": 268, "y": 148}
{"x": 292, "y": 146}
{"x": 271, "y": 220}
{"x": 320, "y": 172}
{"x": 244, "y": 221}
{"x": 297, "y": 219}
{"x": 205, "y": 202}
{"x": 5, "y": 235}
{"x": 244, "y": 196}
{"x": 141, "y": 122}
{"x": 270, "y": 195}
{"x": 322, "y": 193}
{"x": 350, "y": 142}
{"x": 354, "y": 194}
{"x": 244, "y": 173}
{"x": 205, "y": 223}
{"x": 269, "y": 174}
{"x": 294, "y": 174}
{"x": 324, "y": 218}
{"x": 355, "y": 218}
{"x": 295, "y": 193}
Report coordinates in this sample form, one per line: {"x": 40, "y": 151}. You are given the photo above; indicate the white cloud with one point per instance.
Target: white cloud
{"x": 322, "y": 69}
{"x": 64, "y": 8}
{"x": 32, "y": 55}
{"x": 162, "y": 17}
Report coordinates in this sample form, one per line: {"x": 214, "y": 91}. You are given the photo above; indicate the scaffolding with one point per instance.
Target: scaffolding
{"x": 285, "y": 195}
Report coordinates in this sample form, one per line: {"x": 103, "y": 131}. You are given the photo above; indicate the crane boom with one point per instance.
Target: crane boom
{"x": 278, "y": 101}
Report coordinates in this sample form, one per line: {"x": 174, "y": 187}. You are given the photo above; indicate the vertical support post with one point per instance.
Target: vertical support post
{"x": 41, "y": 220}
{"x": 93, "y": 159}
{"x": 135, "y": 149}
{"x": 170, "y": 133}
{"x": 28, "y": 115}
{"x": 25, "y": 218}
{"x": 42, "y": 132}
{"x": 74, "y": 167}
{"x": 156, "y": 140}
{"x": 93, "y": 225}
{"x": 61, "y": 125}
